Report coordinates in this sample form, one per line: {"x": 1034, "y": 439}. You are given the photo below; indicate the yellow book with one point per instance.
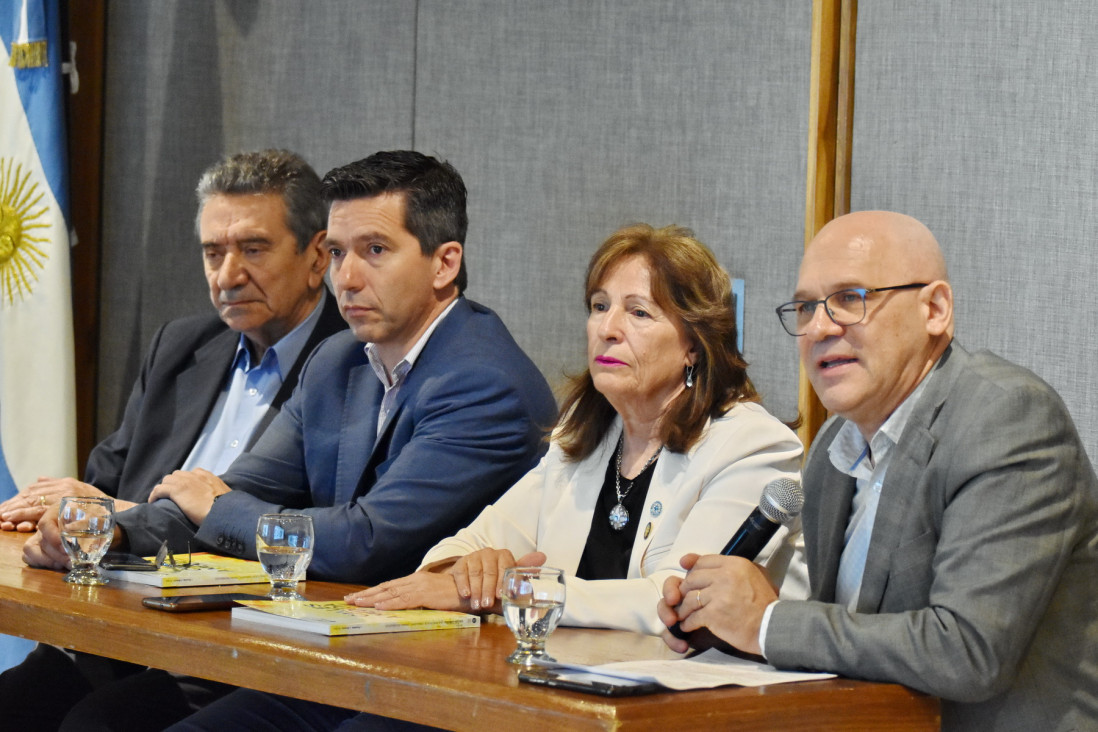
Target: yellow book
{"x": 205, "y": 570}
{"x": 338, "y": 618}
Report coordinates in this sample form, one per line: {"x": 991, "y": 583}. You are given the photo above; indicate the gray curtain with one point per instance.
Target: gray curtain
{"x": 980, "y": 120}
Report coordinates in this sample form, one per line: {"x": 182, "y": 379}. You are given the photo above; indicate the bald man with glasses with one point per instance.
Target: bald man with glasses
{"x": 951, "y": 512}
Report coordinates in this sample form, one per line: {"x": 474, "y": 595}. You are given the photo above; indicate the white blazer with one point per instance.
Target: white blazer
{"x": 695, "y": 501}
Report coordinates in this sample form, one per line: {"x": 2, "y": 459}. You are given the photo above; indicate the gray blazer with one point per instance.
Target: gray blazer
{"x": 981, "y": 584}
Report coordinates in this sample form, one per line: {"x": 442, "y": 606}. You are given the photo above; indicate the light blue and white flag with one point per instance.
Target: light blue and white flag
{"x": 37, "y": 390}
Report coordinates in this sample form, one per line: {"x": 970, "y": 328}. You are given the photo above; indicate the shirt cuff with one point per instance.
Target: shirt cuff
{"x": 763, "y": 626}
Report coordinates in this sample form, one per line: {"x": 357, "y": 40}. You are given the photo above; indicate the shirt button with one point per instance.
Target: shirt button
{"x": 253, "y": 391}
{"x": 234, "y": 443}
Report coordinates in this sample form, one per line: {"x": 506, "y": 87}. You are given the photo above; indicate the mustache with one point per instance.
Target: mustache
{"x": 234, "y": 295}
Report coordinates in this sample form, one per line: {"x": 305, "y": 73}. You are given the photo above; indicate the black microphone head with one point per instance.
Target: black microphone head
{"x": 782, "y": 500}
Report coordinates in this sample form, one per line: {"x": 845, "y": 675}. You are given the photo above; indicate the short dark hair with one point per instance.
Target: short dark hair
{"x": 270, "y": 171}
{"x": 434, "y": 195}
{"x": 691, "y": 286}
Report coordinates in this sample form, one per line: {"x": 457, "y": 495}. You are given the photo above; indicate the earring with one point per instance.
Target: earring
{"x": 690, "y": 376}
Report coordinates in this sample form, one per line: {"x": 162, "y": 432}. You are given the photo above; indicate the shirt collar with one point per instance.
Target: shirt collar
{"x": 283, "y": 354}
{"x": 849, "y": 450}
{"x": 405, "y": 364}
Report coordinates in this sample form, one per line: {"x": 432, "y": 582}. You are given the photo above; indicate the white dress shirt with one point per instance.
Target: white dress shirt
{"x": 393, "y": 382}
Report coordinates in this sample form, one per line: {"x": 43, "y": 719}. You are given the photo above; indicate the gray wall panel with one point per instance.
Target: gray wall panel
{"x": 979, "y": 119}
{"x": 570, "y": 119}
{"x": 190, "y": 81}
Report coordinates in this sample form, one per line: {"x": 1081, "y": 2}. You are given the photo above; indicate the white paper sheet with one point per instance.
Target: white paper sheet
{"x": 704, "y": 671}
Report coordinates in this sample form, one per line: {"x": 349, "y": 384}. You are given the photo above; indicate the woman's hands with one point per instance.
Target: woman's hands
{"x": 419, "y": 589}
{"x": 473, "y": 583}
{"x": 479, "y": 576}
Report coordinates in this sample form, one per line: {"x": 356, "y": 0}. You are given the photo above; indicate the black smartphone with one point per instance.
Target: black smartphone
{"x": 591, "y": 683}
{"x": 196, "y": 603}
{"x": 122, "y": 560}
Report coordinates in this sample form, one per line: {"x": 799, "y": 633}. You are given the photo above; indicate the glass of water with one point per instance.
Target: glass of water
{"x": 533, "y": 601}
{"x": 284, "y": 542}
{"x": 87, "y": 529}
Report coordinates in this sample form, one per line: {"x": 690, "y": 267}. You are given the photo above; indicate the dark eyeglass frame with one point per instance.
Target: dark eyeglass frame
{"x": 165, "y": 557}
{"x": 791, "y": 308}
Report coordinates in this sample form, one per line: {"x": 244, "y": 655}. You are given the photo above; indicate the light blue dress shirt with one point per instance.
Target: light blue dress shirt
{"x": 867, "y": 463}
{"x": 246, "y": 397}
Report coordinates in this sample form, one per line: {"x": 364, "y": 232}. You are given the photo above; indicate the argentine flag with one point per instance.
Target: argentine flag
{"x": 37, "y": 391}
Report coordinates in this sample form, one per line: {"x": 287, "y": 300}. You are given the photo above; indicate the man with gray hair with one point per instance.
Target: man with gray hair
{"x": 209, "y": 387}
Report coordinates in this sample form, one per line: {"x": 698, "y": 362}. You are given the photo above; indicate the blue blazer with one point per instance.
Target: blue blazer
{"x": 180, "y": 381}
{"x": 468, "y": 422}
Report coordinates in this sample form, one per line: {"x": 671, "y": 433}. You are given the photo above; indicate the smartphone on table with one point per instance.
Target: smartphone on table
{"x": 590, "y": 682}
{"x": 198, "y": 603}
{"x": 123, "y": 560}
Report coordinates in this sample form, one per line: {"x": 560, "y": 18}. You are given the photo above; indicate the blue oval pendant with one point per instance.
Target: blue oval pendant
{"x": 619, "y": 517}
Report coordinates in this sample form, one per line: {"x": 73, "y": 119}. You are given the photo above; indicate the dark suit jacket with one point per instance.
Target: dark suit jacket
{"x": 469, "y": 421}
{"x": 981, "y": 584}
{"x": 183, "y": 373}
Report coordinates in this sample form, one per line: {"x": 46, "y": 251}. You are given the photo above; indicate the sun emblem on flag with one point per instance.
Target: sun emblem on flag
{"x": 21, "y": 220}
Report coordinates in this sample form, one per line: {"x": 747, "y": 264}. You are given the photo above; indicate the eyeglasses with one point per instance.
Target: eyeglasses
{"x": 166, "y": 558}
{"x": 845, "y": 307}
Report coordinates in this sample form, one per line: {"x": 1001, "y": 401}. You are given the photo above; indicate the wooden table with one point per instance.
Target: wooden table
{"x": 456, "y": 679}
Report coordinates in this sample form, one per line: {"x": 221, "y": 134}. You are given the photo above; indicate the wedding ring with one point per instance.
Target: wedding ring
{"x": 42, "y": 501}
{"x": 699, "y": 594}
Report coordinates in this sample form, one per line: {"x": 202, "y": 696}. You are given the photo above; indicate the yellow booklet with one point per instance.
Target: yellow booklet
{"x": 338, "y": 618}
{"x": 205, "y": 570}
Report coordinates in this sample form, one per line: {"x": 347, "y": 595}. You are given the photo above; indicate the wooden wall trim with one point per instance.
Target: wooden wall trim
{"x": 830, "y": 133}
{"x": 86, "y": 26}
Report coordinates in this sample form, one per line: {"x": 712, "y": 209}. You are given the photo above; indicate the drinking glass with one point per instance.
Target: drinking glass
{"x": 533, "y": 602}
{"x": 284, "y": 542}
{"x": 87, "y": 528}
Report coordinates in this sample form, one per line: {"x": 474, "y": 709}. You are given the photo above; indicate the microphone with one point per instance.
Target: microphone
{"x": 781, "y": 501}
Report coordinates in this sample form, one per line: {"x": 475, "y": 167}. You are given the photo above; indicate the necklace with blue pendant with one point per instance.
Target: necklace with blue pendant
{"x": 619, "y": 515}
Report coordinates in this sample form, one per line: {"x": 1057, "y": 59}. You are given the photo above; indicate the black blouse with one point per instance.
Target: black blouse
{"x": 606, "y": 554}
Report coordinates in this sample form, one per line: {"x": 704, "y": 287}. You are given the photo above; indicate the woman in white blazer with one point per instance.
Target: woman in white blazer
{"x": 661, "y": 451}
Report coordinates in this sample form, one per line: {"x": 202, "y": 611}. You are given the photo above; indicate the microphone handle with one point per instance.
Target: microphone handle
{"x": 747, "y": 542}
{"x": 755, "y": 532}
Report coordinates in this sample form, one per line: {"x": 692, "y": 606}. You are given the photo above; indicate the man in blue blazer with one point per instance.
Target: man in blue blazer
{"x": 951, "y": 512}
{"x": 402, "y": 430}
